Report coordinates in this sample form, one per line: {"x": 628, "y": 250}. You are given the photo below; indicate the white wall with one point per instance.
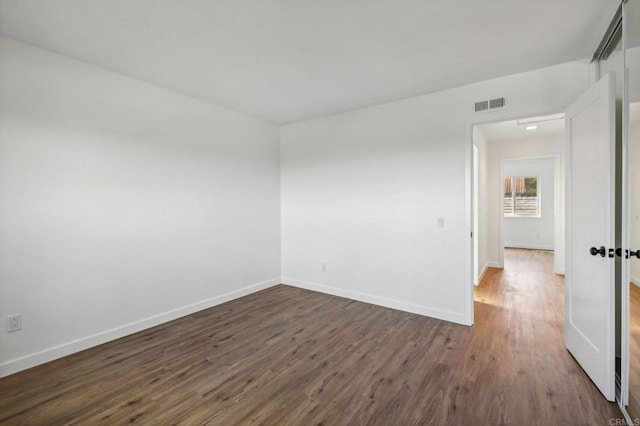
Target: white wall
{"x": 532, "y": 232}
{"x": 362, "y": 192}
{"x": 632, "y": 62}
{"x": 524, "y": 148}
{"x": 123, "y": 205}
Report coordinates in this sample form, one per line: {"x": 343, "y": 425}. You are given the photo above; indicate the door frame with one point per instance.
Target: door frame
{"x": 476, "y": 219}
{"x": 470, "y": 232}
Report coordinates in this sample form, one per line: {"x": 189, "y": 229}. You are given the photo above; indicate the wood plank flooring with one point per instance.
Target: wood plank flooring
{"x": 292, "y": 356}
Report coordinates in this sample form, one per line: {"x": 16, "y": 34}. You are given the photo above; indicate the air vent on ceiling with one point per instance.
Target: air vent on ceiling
{"x": 490, "y": 104}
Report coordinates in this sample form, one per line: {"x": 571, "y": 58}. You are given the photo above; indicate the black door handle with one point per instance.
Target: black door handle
{"x": 627, "y": 253}
{"x": 601, "y": 251}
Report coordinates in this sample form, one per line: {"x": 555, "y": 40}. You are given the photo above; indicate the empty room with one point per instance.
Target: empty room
{"x": 319, "y": 212}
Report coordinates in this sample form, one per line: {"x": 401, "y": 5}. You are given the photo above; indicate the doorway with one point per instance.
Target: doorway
{"x": 519, "y": 190}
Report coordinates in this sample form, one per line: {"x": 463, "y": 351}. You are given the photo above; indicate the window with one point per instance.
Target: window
{"x": 521, "y": 197}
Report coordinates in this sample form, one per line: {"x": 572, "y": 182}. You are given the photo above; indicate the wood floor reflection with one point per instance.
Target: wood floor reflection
{"x": 292, "y": 356}
{"x": 634, "y": 351}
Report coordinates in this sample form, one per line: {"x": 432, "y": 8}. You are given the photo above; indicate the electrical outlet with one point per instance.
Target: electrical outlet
{"x": 323, "y": 267}
{"x": 14, "y": 323}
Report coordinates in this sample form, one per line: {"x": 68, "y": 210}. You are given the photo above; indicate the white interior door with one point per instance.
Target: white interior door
{"x": 590, "y": 207}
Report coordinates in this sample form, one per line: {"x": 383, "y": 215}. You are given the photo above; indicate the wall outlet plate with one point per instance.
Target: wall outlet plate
{"x": 14, "y": 323}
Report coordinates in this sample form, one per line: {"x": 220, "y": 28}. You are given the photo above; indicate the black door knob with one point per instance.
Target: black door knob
{"x": 635, "y": 253}
{"x": 601, "y": 251}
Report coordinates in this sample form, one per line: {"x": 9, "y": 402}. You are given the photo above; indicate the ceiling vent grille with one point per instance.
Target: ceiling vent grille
{"x": 496, "y": 103}
{"x": 482, "y": 106}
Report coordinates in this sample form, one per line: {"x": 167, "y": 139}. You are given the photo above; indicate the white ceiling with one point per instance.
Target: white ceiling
{"x": 286, "y": 60}
{"x": 514, "y": 130}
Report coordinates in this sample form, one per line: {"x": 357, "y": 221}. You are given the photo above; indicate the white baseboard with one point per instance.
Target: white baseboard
{"x": 441, "y": 314}
{"x": 634, "y": 280}
{"x": 498, "y": 265}
{"x": 483, "y": 272}
{"x": 481, "y": 275}
{"x": 529, "y": 246}
{"x": 50, "y": 354}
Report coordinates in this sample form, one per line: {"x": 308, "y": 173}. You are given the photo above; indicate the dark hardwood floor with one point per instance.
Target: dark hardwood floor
{"x": 291, "y": 356}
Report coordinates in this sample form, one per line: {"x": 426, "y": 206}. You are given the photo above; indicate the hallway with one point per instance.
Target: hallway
{"x": 519, "y": 314}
